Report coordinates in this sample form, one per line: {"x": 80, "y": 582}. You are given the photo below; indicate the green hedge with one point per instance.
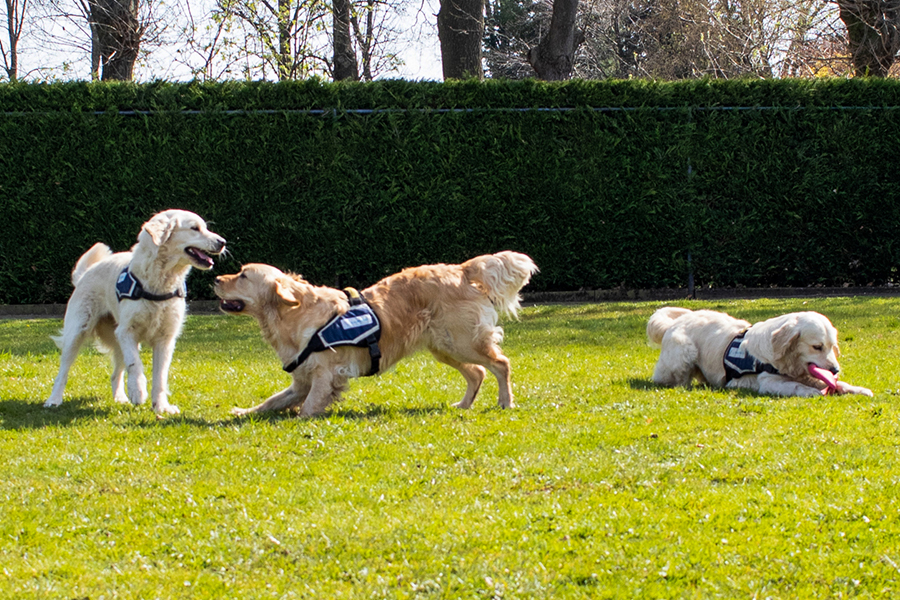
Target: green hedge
{"x": 605, "y": 184}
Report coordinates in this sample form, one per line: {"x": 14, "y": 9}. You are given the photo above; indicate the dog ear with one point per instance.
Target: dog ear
{"x": 159, "y": 228}
{"x": 784, "y": 338}
{"x": 285, "y": 293}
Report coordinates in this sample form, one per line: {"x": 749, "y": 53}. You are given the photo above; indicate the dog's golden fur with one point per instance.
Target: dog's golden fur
{"x": 451, "y": 310}
{"x": 694, "y": 343}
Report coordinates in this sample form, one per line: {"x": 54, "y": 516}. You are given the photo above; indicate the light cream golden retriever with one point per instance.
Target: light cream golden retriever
{"x": 774, "y": 357}
{"x": 452, "y": 310}
{"x": 124, "y": 299}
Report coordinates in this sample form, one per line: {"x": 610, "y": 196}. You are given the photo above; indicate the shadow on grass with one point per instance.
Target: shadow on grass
{"x": 20, "y": 414}
{"x": 371, "y": 411}
{"x": 17, "y": 413}
{"x": 648, "y": 385}
{"x": 642, "y": 384}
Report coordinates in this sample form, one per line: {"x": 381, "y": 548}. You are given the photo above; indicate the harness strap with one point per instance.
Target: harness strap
{"x": 317, "y": 344}
{"x": 129, "y": 287}
{"x": 738, "y": 362}
{"x": 371, "y": 340}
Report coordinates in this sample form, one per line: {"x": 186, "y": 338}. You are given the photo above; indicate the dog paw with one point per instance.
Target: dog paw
{"x": 52, "y": 403}
{"x": 463, "y": 405}
{"x": 240, "y": 412}
{"x": 166, "y": 409}
{"x": 138, "y": 398}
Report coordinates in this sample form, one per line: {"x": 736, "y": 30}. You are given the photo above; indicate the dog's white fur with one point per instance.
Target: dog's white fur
{"x": 694, "y": 343}
{"x": 449, "y": 309}
{"x": 161, "y": 262}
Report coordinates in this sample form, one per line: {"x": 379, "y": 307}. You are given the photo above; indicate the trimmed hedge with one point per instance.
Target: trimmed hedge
{"x": 762, "y": 182}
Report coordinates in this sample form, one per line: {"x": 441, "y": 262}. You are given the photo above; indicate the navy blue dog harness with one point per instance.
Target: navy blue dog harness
{"x": 128, "y": 287}
{"x": 359, "y": 327}
{"x": 738, "y": 362}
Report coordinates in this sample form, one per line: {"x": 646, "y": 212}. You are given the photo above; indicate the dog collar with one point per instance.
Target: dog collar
{"x": 738, "y": 362}
{"x": 129, "y": 287}
{"x": 359, "y": 327}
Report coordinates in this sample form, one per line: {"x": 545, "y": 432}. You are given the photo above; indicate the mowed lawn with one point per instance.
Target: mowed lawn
{"x": 599, "y": 485}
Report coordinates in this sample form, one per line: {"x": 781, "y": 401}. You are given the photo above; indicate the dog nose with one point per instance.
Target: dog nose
{"x": 220, "y": 244}
{"x": 218, "y": 280}
{"x": 834, "y": 370}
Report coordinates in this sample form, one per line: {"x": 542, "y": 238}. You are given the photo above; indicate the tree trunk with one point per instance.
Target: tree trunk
{"x": 285, "y": 58}
{"x": 116, "y": 38}
{"x": 554, "y": 56}
{"x": 460, "y": 31}
{"x": 345, "y": 66}
{"x": 873, "y": 30}
{"x": 14, "y": 16}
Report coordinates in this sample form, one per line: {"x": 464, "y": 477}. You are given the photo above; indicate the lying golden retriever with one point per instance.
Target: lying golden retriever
{"x": 775, "y": 357}
{"x": 128, "y": 298}
{"x": 449, "y": 309}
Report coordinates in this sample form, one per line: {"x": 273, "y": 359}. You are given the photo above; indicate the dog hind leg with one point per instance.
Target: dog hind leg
{"x": 106, "y": 335}
{"x": 499, "y": 366}
{"x": 677, "y": 361}
{"x": 473, "y": 374}
{"x": 484, "y": 350}
{"x": 70, "y": 344}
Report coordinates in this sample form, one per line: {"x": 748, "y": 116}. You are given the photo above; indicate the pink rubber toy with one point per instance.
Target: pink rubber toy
{"x": 826, "y": 376}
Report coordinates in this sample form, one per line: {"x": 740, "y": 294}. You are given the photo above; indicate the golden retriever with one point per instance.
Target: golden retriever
{"x": 452, "y": 310}
{"x": 128, "y": 298}
{"x": 774, "y": 357}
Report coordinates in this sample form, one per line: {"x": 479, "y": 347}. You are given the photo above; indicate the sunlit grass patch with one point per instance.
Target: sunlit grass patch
{"x": 598, "y": 485}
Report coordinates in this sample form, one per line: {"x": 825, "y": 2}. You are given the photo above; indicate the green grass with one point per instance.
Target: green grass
{"x": 598, "y": 486}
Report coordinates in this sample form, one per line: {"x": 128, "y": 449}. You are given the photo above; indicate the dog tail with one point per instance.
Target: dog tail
{"x": 661, "y": 321}
{"x": 500, "y": 276}
{"x": 97, "y": 253}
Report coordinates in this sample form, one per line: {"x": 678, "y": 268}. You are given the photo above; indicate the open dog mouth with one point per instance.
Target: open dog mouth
{"x": 200, "y": 258}
{"x": 231, "y": 305}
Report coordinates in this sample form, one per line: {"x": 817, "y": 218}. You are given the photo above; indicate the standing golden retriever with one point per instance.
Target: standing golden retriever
{"x": 449, "y": 309}
{"x": 128, "y": 298}
{"x": 773, "y": 357}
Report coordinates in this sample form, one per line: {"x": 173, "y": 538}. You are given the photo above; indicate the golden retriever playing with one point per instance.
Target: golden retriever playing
{"x": 774, "y": 357}
{"x": 128, "y": 298}
{"x": 452, "y": 310}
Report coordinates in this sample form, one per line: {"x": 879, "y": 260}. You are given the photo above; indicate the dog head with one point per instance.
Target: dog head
{"x": 256, "y": 289}
{"x": 798, "y": 340}
{"x": 182, "y": 235}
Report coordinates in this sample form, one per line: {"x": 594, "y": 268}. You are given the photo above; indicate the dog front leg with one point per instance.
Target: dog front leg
{"x": 777, "y": 385}
{"x": 321, "y": 394}
{"x": 131, "y": 352}
{"x": 846, "y": 388}
{"x": 286, "y": 398}
{"x": 162, "y": 360}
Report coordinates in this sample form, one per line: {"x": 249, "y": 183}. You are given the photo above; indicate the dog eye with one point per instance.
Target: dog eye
{"x": 196, "y": 228}
{"x": 242, "y": 276}
{"x": 818, "y": 347}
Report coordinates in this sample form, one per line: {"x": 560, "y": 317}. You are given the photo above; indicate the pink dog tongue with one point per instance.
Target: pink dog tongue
{"x": 826, "y": 376}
